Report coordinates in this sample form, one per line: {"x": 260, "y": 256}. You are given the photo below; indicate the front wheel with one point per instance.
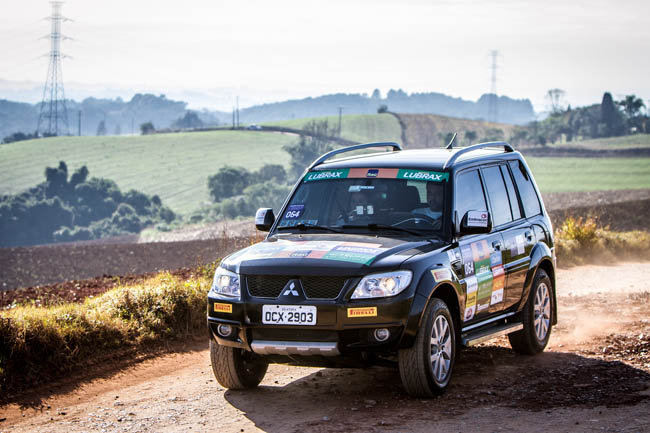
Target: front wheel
{"x": 236, "y": 368}
{"x": 537, "y": 317}
{"x": 426, "y": 367}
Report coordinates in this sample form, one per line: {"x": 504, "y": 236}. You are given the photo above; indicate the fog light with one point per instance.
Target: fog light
{"x": 382, "y": 334}
{"x": 224, "y": 330}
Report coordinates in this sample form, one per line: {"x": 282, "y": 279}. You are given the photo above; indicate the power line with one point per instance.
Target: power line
{"x": 53, "y": 114}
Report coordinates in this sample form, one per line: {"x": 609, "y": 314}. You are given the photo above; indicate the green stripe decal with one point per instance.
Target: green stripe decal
{"x": 327, "y": 174}
{"x": 428, "y": 176}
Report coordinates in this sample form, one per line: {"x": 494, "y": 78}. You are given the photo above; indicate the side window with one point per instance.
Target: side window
{"x": 512, "y": 194}
{"x": 526, "y": 189}
{"x": 498, "y": 195}
{"x": 469, "y": 193}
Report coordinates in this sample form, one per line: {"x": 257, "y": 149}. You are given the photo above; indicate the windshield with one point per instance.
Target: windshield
{"x": 401, "y": 200}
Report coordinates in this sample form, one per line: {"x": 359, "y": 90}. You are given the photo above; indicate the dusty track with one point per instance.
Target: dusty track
{"x": 595, "y": 375}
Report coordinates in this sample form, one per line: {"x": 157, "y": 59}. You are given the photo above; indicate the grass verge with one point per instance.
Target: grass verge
{"x": 41, "y": 344}
{"x": 580, "y": 241}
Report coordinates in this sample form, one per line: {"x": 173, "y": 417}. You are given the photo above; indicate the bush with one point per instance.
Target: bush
{"x": 39, "y": 344}
{"x": 228, "y": 182}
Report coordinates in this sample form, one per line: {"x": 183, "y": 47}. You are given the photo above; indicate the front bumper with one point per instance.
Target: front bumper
{"x": 338, "y": 330}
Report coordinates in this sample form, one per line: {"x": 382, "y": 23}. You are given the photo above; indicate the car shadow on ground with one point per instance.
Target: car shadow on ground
{"x": 486, "y": 376}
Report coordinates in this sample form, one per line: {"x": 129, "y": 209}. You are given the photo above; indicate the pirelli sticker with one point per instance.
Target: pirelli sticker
{"x": 362, "y": 312}
{"x": 222, "y": 308}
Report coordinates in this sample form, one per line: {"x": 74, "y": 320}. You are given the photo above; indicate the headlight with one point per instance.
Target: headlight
{"x": 225, "y": 284}
{"x": 382, "y": 285}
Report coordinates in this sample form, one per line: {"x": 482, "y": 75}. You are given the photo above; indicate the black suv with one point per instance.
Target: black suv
{"x": 390, "y": 258}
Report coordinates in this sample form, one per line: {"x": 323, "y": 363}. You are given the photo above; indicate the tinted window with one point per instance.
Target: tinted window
{"x": 496, "y": 190}
{"x": 512, "y": 194}
{"x": 469, "y": 193}
{"x": 526, "y": 189}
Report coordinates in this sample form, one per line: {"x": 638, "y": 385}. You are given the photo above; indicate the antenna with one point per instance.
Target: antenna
{"x": 493, "y": 108}
{"x": 53, "y": 114}
{"x": 451, "y": 142}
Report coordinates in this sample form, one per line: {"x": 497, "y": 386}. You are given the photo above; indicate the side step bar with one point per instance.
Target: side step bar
{"x": 474, "y": 338}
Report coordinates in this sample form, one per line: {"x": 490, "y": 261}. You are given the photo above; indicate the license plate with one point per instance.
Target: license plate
{"x": 289, "y": 314}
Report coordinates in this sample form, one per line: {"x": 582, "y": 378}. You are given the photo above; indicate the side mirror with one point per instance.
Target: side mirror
{"x": 476, "y": 221}
{"x": 264, "y": 219}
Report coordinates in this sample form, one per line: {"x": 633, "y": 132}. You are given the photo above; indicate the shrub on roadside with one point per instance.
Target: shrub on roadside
{"x": 39, "y": 344}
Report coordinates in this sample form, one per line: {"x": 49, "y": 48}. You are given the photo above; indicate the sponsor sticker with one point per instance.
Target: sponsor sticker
{"x": 300, "y": 254}
{"x": 452, "y": 255}
{"x": 362, "y": 312}
{"x": 442, "y": 274}
{"x": 477, "y": 218}
{"x": 470, "y": 302}
{"x": 480, "y": 250}
{"x": 373, "y": 172}
{"x": 326, "y": 175}
{"x": 428, "y": 176}
{"x": 497, "y": 297}
{"x": 294, "y": 211}
{"x": 495, "y": 258}
{"x": 468, "y": 260}
{"x": 222, "y": 308}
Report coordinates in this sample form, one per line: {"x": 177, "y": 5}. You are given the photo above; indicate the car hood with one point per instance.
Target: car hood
{"x": 324, "y": 254}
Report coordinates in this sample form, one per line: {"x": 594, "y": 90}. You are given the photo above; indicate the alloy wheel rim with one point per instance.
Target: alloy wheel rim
{"x": 441, "y": 348}
{"x": 542, "y": 311}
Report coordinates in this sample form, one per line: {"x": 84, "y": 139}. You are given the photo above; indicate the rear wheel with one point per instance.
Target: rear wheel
{"x": 426, "y": 367}
{"x": 537, "y": 317}
{"x": 236, "y": 368}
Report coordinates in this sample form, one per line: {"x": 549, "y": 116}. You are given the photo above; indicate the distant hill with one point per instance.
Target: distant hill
{"x": 124, "y": 117}
{"x": 515, "y": 111}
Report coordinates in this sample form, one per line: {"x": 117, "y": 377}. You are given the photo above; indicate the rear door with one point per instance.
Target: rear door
{"x": 520, "y": 237}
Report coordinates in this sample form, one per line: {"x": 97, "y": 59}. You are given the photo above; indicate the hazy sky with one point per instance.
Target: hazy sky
{"x": 273, "y": 50}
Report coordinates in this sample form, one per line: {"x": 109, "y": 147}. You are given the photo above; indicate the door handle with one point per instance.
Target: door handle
{"x": 496, "y": 245}
{"x": 529, "y": 236}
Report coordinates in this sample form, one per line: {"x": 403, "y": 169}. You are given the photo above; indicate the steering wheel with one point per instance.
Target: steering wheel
{"x": 417, "y": 219}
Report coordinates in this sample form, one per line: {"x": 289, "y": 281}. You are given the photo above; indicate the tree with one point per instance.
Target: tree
{"x": 190, "y": 120}
{"x": 470, "y": 136}
{"x": 271, "y": 172}
{"x": 383, "y": 108}
{"x": 610, "y": 117}
{"x": 313, "y": 142}
{"x": 147, "y": 128}
{"x": 555, "y": 98}
{"x": 18, "y": 136}
{"x": 101, "y": 128}
{"x": 228, "y": 182}
{"x": 376, "y": 94}
{"x": 631, "y": 105}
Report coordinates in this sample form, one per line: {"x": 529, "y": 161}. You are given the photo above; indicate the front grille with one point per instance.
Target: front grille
{"x": 266, "y": 286}
{"x": 270, "y": 286}
{"x": 322, "y": 287}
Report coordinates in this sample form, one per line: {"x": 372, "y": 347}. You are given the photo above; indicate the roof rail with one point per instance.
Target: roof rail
{"x": 506, "y": 147}
{"x": 330, "y": 154}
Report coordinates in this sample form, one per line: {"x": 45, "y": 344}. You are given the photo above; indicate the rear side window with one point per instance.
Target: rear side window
{"x": 526, "y": 189}
{"x": 469, "y": 193}
{"x": 498, "y": 195}
{"x": 512, "y": 193}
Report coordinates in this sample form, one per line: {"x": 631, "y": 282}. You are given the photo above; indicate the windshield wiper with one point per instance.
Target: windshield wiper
{"x": 303, "y": 227}
{"x": 375, "y": 227}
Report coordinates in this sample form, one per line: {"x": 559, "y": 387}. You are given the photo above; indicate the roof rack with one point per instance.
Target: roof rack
{"x": 330, "y": 154}
{"x": 461, "y": 151}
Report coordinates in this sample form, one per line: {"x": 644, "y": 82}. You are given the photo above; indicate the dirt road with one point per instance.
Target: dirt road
{"x": 595, "y": 376}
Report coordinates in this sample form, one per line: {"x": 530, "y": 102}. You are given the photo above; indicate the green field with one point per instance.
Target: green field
{"x": 590, "y": 174}
{"x": 614, "y": 143}
{"x": 174, "y": 166}
{"x": 363, "y": 128}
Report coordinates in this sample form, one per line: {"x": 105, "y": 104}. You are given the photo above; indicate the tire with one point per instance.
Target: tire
{"x": 422, "y": 375}
{"x": 236, "y": 368}
{"x": 537, "y": 317}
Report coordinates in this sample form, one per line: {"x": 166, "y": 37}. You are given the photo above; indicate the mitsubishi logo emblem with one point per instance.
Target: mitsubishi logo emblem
{"x": 291, "y": 290}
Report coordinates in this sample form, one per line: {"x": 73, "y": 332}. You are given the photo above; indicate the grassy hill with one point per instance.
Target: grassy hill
{"x": 174, "y": 166}
{"x": 363, "y": 128}
{"x": 422, "y": 130}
